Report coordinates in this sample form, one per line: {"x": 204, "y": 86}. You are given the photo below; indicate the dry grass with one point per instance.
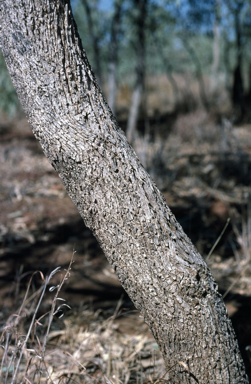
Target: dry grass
{"x": 82, "y": 346}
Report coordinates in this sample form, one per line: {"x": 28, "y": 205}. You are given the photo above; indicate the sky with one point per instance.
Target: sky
{"x": 106, "y": 4}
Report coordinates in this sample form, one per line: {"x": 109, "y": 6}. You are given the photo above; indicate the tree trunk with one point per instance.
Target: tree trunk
{"x": 162, "y": 272}
{"x": 238, "y": 88}
{"x": 249, "y": 81}
{"x": 227, "y": 62}
{"x": 140, "y": 71}
{"x": 168, "y": 70}
{"x": 198, "y": 72}
{"x": 216, "y": 46}
{"x": 113, "y": 62}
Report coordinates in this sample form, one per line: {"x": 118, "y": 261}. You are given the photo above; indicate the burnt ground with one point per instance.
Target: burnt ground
{"x": 204, "y": 172}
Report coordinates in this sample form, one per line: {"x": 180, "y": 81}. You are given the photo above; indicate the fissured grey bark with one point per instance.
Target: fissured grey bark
{"x": 156, "y": 263}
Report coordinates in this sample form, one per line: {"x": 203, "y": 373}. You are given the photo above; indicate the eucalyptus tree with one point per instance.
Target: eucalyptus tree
{"x": 235, "y": 22}
{"x": 113, "y": 54}
{"x": 195, "y": 19}
{"x": 216, "y": 44}
{"x": 161, "y": 34}
{"x": 94, "y": 39}
{"x": 162, "y": 272}
{"x": 236, "y": 9}
{"x": 139, "y": 12}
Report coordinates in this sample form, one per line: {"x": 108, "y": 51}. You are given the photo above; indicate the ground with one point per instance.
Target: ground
{"x": 203, "y": 169}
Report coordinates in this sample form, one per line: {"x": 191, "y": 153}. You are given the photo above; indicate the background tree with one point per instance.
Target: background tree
{"x": 216, "y": 44}
{"x": 113, "y": 55}
{"x": 166, "y": 278}
{"x": 140, "y": 10}
{"x": 237, "y": 87}
{"x": 94, "y": 38}
{"x": 161, "y": 24}
{"x": 199, "y": 23}
{"x": 236, "y": 18}
{"x": 197, "y": 15}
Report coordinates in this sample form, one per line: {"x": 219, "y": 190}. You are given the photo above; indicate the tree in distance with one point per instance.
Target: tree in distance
{"x": 166, "y": 278}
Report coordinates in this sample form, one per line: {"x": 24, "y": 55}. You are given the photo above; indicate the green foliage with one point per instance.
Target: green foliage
{"x": 169, "y": 22}
{"x": 101, "y": 30}
{"x": 9, "y": 104}
{"x": 169, "y": 26}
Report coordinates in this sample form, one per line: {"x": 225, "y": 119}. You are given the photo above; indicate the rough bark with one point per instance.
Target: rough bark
{"x": 156, "y": 263}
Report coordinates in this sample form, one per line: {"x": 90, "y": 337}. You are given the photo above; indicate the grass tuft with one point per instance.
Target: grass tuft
{"x": 69, "y": 346}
